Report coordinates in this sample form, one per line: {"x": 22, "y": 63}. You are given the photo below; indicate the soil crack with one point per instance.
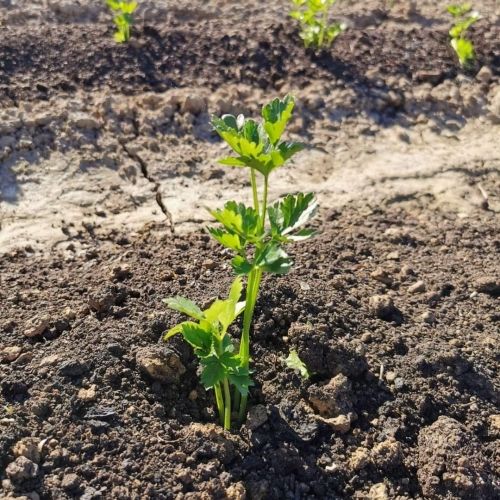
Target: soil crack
{"x": 145, "y": 173}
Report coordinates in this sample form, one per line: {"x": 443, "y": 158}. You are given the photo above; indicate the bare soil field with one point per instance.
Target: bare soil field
{"x": 107, "y": 162}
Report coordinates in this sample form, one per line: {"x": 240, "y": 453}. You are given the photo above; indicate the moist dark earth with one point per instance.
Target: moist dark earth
{"x": 394, "y": 311}
{"x": 35, "y": 64}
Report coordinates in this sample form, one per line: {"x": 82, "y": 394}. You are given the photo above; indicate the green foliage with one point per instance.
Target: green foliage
{"x": 123, "y": 19}
{"x": 464, "y": 18}
{"x": 313, "y": 16}
{"x": 295, "y": 363}
{"x": 256, "y": 236}
{"x": 220, "y": 362}
{"x": 258, "y": 145}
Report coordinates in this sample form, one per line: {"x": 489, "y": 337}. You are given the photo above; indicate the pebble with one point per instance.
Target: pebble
{"x": 257, "y": 416}
{"x": 70, "y": 482}
{"x": 428, "y": 317}
{"x": 378, "y": 492}
{"x": 27, "y": 447}
{"x": 22, "y": 469}
{"x": 37, "y": 326}
{"x": 484, "y": 75}
{"x": 11, "y": 353}
{"x": 382, "y": 276}
{"x": 382, "y": 306}
{"x": 160, "y": 363}
{"x": 393, "y": 256}
{"x": 341, "y": 424}
{"x": 87, "y": 394}
{"x": 194, "y": 104}
{"x": 417, "y": 287}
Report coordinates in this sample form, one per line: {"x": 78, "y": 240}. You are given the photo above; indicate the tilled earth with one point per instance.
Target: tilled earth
{"x": 106, "y": 157}
{"x": 395, "y": 312}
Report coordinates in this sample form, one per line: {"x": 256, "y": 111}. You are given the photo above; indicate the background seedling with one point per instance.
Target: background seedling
{"x": 464, "y": 18}
{"x": 123, "y": 19}
{"x": 315, "y": 29}
{"x": 295, "y": 363}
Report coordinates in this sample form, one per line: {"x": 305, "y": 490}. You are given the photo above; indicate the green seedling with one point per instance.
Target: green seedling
{"x": 315, "y": 29}
{"x": 464, "y": 18}
{"x": 256, "y": 235}
{"x": 220, "y": 362}
{"x": 123, "y": 19}
{"x": 295, "y": 363}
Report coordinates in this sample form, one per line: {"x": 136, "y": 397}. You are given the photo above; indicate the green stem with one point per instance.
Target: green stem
{"x": 220, "y": 402}
{"x": 264, "y": 204}
{"x": 227, "y": 413}
{"x": 253, "y": 181}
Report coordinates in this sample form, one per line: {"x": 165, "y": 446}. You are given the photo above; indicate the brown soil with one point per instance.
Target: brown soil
{"x": 35, "y": 65}
{"x": 106, "y": 163}
{"x": 436, "y": 349}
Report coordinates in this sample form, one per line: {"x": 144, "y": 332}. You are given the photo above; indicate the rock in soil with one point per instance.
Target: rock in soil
{"x": 160, "y": 363}
{"x": 332, "y": 399}
{"x": 382, "y": 306}
{"x": 22, "y": 469}
{"x": 451, "y": 464}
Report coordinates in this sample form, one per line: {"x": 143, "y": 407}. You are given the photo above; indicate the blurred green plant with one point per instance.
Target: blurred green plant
{"x": 464, "y": 18}
{"x": 315, "y": 29}
{"x": 123, "y": 19}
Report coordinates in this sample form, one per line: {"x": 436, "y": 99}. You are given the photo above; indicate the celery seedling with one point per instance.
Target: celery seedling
{"x": 123, "y": 19}
{"x": 464, "y": 18}
{"x": 256, "y": 235}
{"x": 316, "y": 31}
{"x": 207, "y": 335}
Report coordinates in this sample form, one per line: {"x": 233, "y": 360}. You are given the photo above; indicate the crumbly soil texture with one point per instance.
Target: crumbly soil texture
{"x": 106, "y": 163}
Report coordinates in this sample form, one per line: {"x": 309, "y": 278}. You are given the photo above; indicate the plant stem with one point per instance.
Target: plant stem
{"x": 220, "y": 402}
{"x": 227, "y": 413}
{"x": 264, "y": 204}
{"x": 253, "y": 181}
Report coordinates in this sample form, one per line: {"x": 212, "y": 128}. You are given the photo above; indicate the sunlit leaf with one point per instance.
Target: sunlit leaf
{"x": 185, "y": 306}
{"x": 295, "y": 363}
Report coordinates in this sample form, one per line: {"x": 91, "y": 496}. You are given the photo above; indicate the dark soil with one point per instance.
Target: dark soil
{"x": 41, "y": 61}
{"x": 417, "y": 371}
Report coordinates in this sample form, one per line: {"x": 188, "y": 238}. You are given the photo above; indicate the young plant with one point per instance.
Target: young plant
{"x": 257, "y": 236}
{"x": 313, "y": 16}
{"x": 220, "y": 362}
{"x": 464, "y": 18}
{"x": 123, "y": 19}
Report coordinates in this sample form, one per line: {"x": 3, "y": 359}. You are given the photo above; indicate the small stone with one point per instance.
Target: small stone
{"x": 494, "y": 426}
{"x": 37, "y": 326}
{"x": 9, "y": 354}
{"x": 50, "y": 360}
{"x": 366, "y": 337}
{"x": 22, "y": 469}
{"x": 209, "y": 264}
{"x": 359, "y": 459}
{"x": 332, "y": 399}
{"x": 257, "y": 416}
{"x": 69, "y": 314}
{"x": 27, "y": 447}
{"x": 73, "y": 368}
{"x": 194, "y": 104}
{"x": 341, "y": 424}
{"x": 390, "y": 376}
{"x": 161, "y": 364}
{"x": 484, "y": 75}
{"x": 87, "y": 394}
{"x": 399, "y": 383}
{"x": 428, "y": 317}
{"x": 387, "y": 454}
{"x": 393, "y": 256}
{"x": 383, "y": 276}
{"x": 488, "y": 285}
{"x": 70, "y": 482}
{"x": 236, "y": 491}
{"x": 378, "y": 492}
{"x": 382, "y": 306}
{"x": 84, "y": 121}
{"x": 417, "y": 287}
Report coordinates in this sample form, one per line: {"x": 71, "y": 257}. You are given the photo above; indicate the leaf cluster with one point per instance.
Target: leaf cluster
{"x": 257, "y": 248}
{"x": 258, "y": 145}
{"x": 464, "y": 17}
{"x": 313, "y": 16}
{"x": 123, "y": 18}
{"x": 208, "y": 337}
